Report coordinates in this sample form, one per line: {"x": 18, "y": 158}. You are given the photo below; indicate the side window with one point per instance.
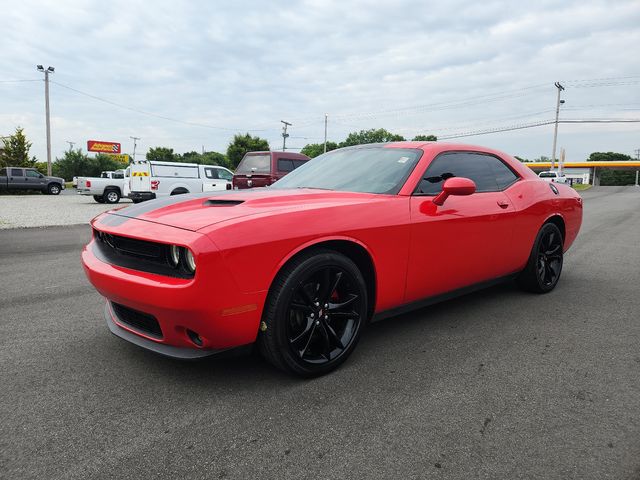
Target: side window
{"x": 16, "y": 172}
{"x": 298, "y": 163}
{"x": 504, "y": 175}
{"x": 224, "y": 175}
{"x": 285, "y": 165}
{"x": 211, "y": 173}
{"x": 32, "y": 174}
{"x": 488, "y": 172}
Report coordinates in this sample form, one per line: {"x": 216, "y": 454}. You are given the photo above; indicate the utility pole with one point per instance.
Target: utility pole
{"x": 71, "y": 144}
{"x": 637, "y": 150}
{"x": 284, "y": 134}
{"x": 326, "y": 115}
{"x": 555, "y": 128}
{"x": 46, "y": 106}
{"x": 135, "y": 143}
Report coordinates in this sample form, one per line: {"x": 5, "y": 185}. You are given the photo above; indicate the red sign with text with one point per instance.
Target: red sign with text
{"x": 103, "y": 147}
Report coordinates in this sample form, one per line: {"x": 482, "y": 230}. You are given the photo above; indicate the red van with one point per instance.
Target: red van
{"x": 259, "y": 169}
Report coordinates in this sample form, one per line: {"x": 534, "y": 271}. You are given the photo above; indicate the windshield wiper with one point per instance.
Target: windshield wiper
{"x": 318, "y": 188}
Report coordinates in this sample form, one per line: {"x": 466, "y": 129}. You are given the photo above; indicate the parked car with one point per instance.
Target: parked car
{"x": 552, "y": 176}
{"x": 107, "y": 188}
{"x": 18, "y": 178}
{"x": 301, "y": 267}
{"x": 261, "y": 169}
{"x": 151, "y": 179}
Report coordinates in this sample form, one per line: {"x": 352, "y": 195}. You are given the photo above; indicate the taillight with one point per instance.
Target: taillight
{"x": 88, "y": 184}
{"x": 154, "y": 184}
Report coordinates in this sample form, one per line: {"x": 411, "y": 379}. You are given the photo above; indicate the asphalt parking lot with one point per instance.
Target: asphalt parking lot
{"x": 497, "y": 385}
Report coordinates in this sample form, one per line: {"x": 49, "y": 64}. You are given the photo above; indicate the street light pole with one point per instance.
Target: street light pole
{"x": 326, "y": 115}
{"x": 135, "y": 140}
{"x": 46, "y": 103}
{"x": 284, "y": 134}
{"x": 555, "y": 128}
{"x": 71, "y": 144}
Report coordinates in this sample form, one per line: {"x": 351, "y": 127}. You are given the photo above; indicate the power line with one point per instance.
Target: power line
{"x": 533, "y": 125}
{"x": 162, "y": 117}
{"x": 18, "y": 81}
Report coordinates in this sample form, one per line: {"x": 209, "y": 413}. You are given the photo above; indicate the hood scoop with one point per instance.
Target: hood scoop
{"x": 218, "y": 202}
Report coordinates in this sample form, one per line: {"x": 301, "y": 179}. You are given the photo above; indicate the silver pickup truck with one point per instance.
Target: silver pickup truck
{"x": 108, "y": 188}
{"x": 18, "y": 178}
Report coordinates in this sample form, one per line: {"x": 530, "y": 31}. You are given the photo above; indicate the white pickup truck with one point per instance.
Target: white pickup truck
{"x": 153, "y": 179}
{"x": 108, "y": 188}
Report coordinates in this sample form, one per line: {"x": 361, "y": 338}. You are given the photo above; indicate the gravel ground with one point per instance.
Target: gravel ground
{"x": 19, "y": 211}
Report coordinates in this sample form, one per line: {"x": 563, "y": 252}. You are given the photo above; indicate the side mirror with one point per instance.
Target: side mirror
{"x": 455, "y": 186}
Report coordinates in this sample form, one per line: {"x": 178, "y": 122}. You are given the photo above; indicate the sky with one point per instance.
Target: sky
{"x": 190, "y": 75}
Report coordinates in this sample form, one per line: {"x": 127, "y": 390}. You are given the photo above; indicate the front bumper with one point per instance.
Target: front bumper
{"x": 211, "y": 304}
{"x": 181, "y": 353}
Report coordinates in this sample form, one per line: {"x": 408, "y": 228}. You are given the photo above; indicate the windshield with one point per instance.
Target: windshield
{"x": 369, "y": 170}
{"x": 260, "y": 163}
{"x": 548, "y": 175}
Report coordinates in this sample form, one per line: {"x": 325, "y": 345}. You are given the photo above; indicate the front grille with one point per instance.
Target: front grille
{"x": 143, "y": 255}
{"x": 140, "y": 321}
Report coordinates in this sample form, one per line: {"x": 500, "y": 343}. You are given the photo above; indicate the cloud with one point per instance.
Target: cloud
{"x": 247, "y": 65}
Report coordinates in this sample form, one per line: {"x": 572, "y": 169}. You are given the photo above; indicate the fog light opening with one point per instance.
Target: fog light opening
{"x": 194, "y": 337}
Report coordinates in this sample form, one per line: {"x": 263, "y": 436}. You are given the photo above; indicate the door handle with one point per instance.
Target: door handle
{"x": 503, "y": 204}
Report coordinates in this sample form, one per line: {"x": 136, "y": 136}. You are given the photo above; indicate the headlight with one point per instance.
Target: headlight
{"x": 174, "y": 255}
{"x": 190, "y": 260}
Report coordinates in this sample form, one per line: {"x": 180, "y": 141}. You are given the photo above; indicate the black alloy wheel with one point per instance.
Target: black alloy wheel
{"x": 315, "y": 314}
{"x": 543, "y": 270}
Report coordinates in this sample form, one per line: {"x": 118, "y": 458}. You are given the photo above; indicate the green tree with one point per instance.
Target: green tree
{"x": 42, "y": 167}
{"x": 425, "y": 138}
{"x": 242, "y": 144}
{"x": 312, "y": 150}
{"x": 74, "y": 163}
{"x": 15, "y": 150}
{"x": 206, "y": 158}
{"x": 373, "y": 135}
{"x": 613, "y": 177}
{"x": 103, "y": 163}
{"x": 162, "y": 154}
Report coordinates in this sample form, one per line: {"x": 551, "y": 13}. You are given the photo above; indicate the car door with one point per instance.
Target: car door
{"x": 212, "y": 181}
{"x": 17, "y": 179}
{"x": 35, "y": 180}
{"x": 466, "y": 240}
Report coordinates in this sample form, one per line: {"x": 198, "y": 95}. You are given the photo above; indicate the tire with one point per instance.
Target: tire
{"x": 179, "y": 191}
{"x": 54, "y": 189}
{"x": 111, "y": 196}
{"x": 544, "y": 267}
{"x": 98, "y": 198}
{"x": 314, "y": 314}
{"x": 136, "y": 201}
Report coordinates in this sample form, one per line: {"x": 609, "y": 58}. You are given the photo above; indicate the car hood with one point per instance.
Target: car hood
{"x": 196, "y": 211}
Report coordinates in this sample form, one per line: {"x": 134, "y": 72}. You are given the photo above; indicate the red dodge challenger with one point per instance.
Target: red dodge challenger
{"x": 302, "y": 266}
